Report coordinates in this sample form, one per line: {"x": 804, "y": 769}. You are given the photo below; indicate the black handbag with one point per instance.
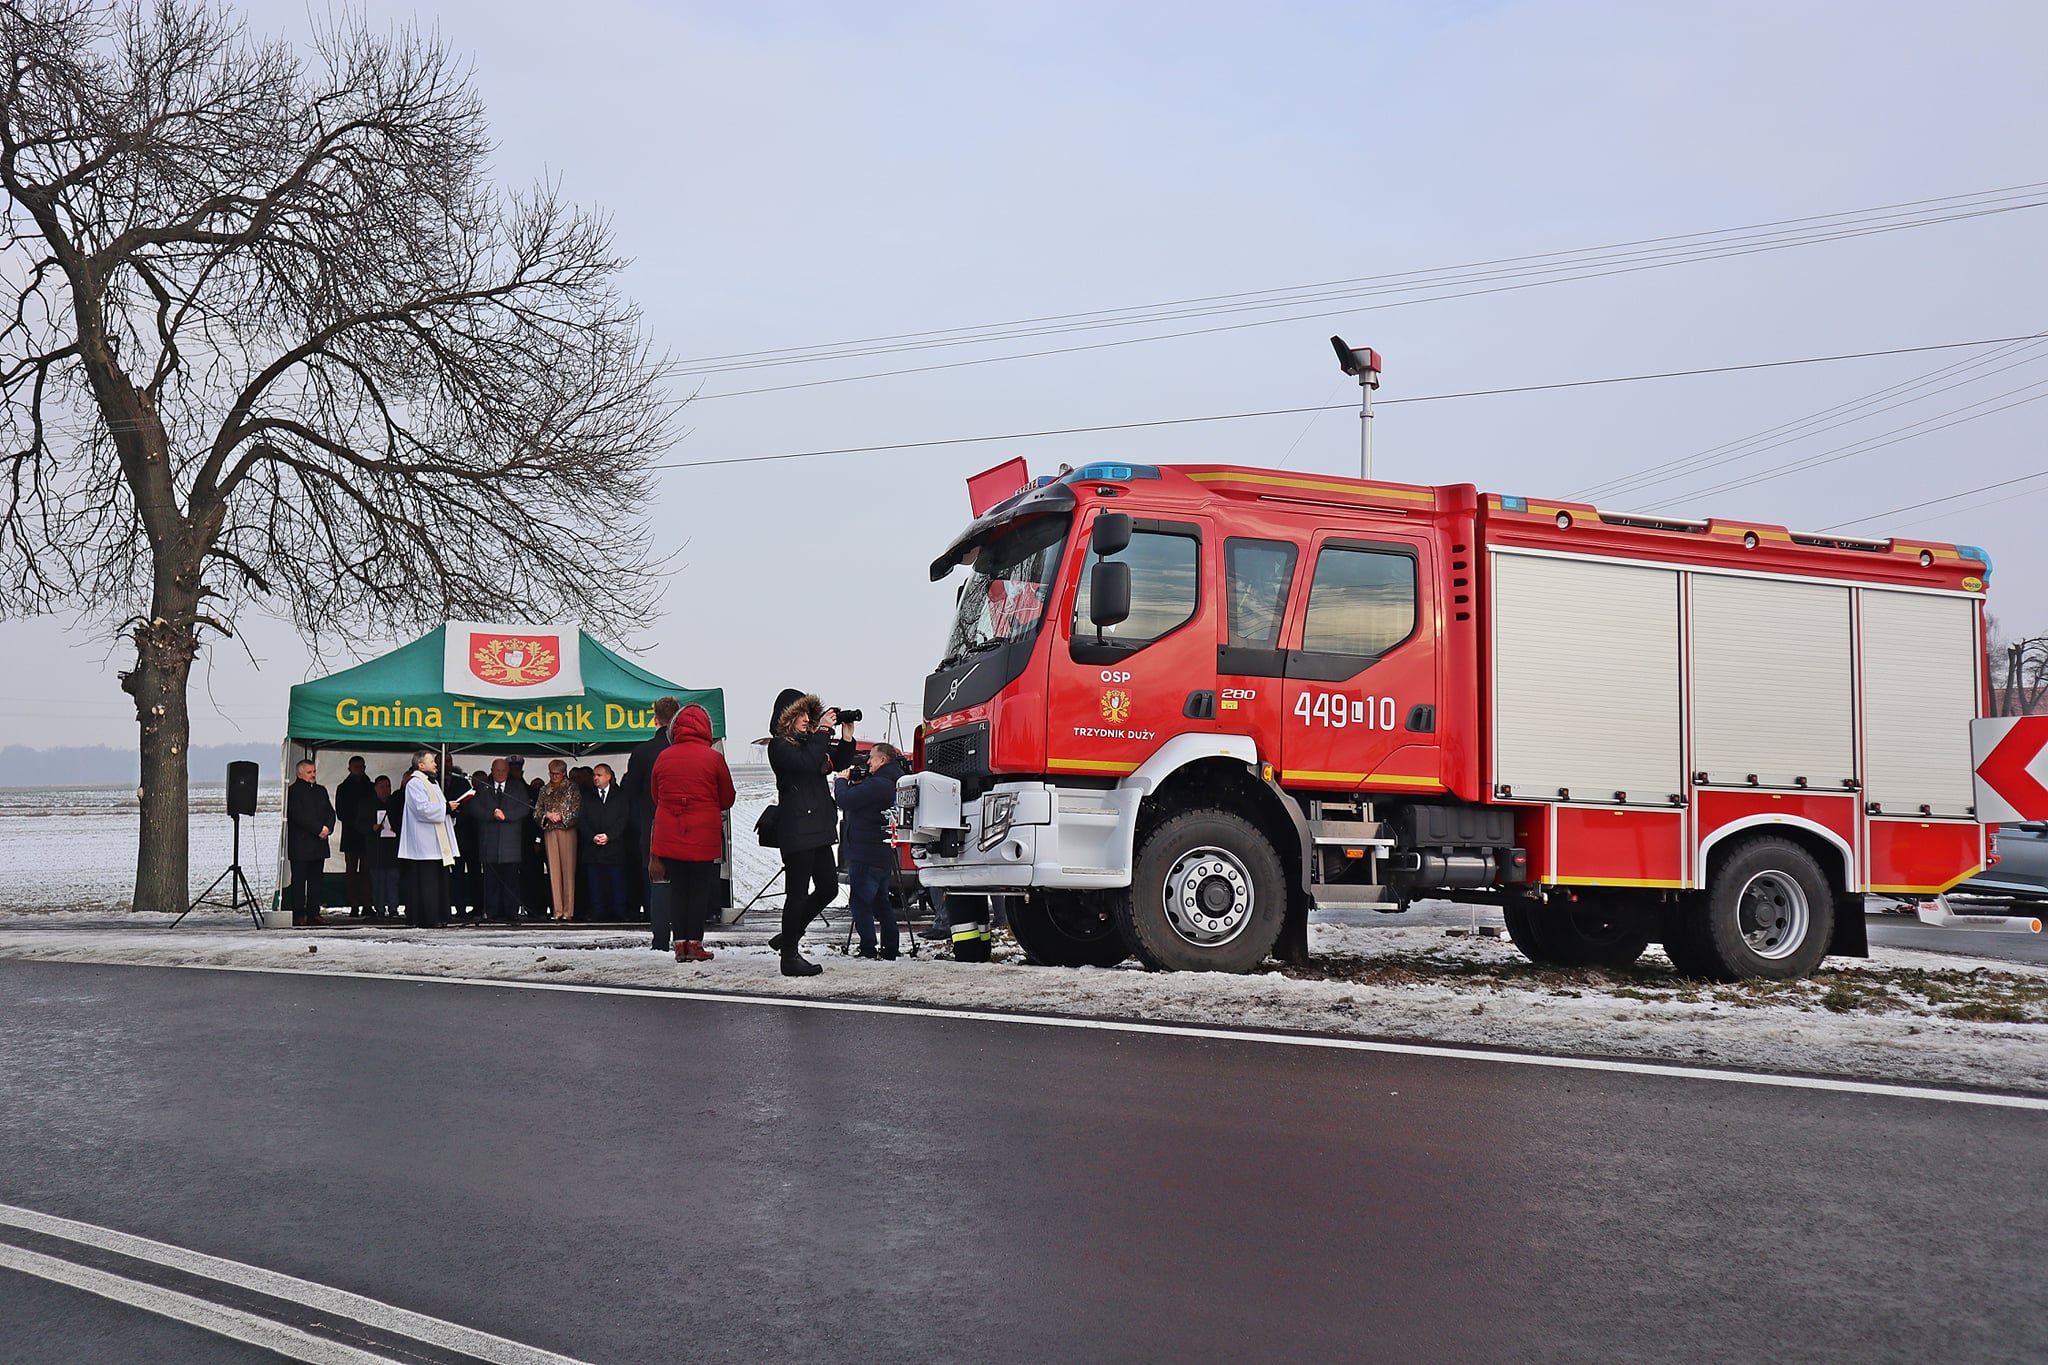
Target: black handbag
{"x": 768, "y": 829}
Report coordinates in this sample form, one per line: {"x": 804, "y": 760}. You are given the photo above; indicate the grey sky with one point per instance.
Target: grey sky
{"x": 809, "y": 173}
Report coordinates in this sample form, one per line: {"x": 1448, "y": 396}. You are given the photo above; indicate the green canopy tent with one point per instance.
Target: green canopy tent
{"x": 401, "y": 700}
{"x": 468, "y": 689}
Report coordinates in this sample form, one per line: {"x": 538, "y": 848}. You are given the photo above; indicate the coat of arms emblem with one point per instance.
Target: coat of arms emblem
{"x": 509, "y": 661}
{"x": 1116, "y": 705}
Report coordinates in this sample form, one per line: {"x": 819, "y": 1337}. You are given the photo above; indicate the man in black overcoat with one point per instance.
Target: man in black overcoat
{"x": 308, "y": 820}
{"x": 639, "y": 767}
{"x": 355, "y": 811}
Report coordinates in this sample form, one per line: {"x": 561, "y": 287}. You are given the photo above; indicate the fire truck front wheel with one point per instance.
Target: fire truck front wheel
{"x": 1208, "y": 895}
{"x": 1066, "y": 929}
{"x": 1769, "y": 913}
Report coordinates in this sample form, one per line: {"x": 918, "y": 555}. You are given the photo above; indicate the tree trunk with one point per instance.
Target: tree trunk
{"x": 164, "y": 651}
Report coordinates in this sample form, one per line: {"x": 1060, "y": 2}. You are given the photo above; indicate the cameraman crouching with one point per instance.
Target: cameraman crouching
{"x": 864, "y": 793}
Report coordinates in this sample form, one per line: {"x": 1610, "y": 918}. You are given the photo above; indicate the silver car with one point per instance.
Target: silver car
{"x": 2021, "y": 872}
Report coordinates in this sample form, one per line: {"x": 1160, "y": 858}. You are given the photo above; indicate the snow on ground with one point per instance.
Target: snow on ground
{"x": 1889, "y": 1019}
{"x": 1920, "y": 1017}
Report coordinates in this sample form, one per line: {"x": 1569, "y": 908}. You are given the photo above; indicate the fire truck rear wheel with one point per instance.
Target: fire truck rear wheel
{"x": 1769, "y": 913}
{"x": 1208, "y": 895}
{"x": 1063, "y": 929}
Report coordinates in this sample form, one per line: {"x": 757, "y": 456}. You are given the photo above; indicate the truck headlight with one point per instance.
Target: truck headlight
{"x": 998, "y": 810}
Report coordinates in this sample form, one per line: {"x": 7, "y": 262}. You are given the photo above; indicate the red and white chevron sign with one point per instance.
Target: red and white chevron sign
{"x": 2011, "y": 759}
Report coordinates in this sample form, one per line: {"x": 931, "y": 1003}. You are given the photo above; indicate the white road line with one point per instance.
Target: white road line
{"x": 275, "y": 1337}
{"x": 1880, "y": 1089}
{"x": 325, "y": 1298}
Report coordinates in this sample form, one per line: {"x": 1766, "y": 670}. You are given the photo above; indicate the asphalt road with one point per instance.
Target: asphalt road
{"x": 630, "y": 1179}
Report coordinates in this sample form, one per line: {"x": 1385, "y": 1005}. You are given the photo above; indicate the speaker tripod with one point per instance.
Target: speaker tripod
{"x": 237, "y": 884}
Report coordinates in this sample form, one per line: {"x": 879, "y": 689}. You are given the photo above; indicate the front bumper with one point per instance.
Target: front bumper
{"x": 1018, "y": 835}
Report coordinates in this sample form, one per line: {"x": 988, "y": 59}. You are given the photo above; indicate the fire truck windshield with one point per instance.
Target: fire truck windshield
{"x": 1010, "y": 581}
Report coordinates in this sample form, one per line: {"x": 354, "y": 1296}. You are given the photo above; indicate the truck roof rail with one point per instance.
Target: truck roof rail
{"x": 1645, "y": 521}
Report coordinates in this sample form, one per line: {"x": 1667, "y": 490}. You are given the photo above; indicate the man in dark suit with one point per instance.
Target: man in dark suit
{"x": 501, "y": 810}
{"x": 606, "y": 827}
{"x": 309, "y": 819}
{"x": 639, "y": 766}
{"x": 355, "y": 810}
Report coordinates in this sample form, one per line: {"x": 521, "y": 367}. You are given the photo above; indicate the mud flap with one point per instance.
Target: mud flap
{"x": 1849, "y": 937}
{"x": 1292, "y": 947}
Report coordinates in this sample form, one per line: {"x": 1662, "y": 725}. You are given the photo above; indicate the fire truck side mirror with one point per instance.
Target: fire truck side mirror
{"x": 1110, "y": 535}
{"x": 1109, "y": 593}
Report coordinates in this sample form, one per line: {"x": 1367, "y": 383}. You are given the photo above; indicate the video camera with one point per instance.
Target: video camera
{"x": 847, "y": 717}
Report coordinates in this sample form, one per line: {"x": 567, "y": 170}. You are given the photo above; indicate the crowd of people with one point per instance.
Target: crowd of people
{"x": 584, "y": 843}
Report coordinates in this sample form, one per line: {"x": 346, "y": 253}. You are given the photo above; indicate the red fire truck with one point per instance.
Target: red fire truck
{"x": 1181, "y": 707}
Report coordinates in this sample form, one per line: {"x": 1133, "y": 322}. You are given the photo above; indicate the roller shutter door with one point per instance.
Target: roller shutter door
{"x": 1774, "y": 689}
{"x": 1919, "y": 697}
{"x": 1586, "y": 681}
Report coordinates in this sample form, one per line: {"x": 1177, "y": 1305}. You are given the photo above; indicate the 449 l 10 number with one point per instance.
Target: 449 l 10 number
{"x": 1336, "y": 711}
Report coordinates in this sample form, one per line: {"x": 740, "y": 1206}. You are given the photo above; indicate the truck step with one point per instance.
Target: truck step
{"x": 1350, "y": 833}
{"x": 1349, "y": 896}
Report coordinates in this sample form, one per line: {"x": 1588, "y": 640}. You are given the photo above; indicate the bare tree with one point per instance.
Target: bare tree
{"x": 271, "y": 339}
{"x": 2019, "y": 675}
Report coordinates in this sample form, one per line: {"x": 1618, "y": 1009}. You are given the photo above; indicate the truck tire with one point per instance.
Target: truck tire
{"x": 1769, "y": 913}
{"x": 1576, "y": 936}
{"x": 1207, "y": 895}
{"x": 1061, "y": 929}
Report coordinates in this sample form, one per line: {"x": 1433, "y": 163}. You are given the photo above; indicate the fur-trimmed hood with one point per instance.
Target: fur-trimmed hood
{"x": 805, "y": 705}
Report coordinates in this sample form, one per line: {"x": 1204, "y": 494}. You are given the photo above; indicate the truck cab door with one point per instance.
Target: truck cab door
{"x": 1119, "y": 692}
{"x": 1260, "y": 581}
{"x": 1361, "y": 684}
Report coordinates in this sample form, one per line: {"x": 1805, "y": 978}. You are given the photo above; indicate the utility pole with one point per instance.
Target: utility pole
{"x": 1364, "y": 364}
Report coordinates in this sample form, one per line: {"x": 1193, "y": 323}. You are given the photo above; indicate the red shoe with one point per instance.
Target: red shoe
{"x": 693, "y": 950}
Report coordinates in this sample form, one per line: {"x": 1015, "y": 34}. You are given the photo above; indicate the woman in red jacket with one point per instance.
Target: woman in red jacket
{"x": 691, "y": 789}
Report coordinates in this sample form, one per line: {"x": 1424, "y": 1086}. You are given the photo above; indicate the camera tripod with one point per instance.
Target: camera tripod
{"x": 238, "y": 886}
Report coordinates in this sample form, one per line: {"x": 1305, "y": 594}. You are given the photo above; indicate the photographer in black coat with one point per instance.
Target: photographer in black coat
{"x": 308, "y": 820}
{"x": 802, "y": 753}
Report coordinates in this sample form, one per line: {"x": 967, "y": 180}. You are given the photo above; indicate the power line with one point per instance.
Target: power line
{"x": 1932, "y": 502}
{"x": 1335, "y": 407}
{"x": 1296, "y": 294}
{"x": 1870, "y": 443}
{"x": 1516, "y": 282}
{"x": 1814, "y": 424}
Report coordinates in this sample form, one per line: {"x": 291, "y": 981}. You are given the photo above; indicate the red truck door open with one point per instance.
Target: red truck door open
{"x": 1360, "y": 693}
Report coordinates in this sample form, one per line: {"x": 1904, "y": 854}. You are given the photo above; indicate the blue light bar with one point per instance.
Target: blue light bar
{"x": 1112, "y": 473}
{"x": 1508, "y": 504}
{"x": 1972, "y": 552}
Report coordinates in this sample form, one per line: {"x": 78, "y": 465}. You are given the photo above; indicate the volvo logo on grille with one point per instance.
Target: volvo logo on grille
{"x": 958, "y": 683}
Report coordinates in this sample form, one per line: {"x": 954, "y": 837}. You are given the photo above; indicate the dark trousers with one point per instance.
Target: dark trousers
{"x": 693, "y": 898}
{"x": 811, "y": 879}
{"x": 501, "y": 891}
{"x": 384, "y": 888}
{"x": 426, "y": 891}
{"x": 868, "y": 898}
{"x": 357, "y": 875}
{"x": 305, "y": 889}
{"x": 607, "y": 887}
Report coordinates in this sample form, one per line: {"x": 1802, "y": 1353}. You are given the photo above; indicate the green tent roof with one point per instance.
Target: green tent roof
{"x": 398, "y": 700}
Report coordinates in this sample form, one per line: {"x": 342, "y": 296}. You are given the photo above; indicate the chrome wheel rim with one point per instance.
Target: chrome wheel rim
{"x": 1773, "y": 914}
{"x": 1208, "y": 896}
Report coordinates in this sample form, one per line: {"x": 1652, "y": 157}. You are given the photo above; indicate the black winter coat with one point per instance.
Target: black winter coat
{"x": 865, "y": 838}
{"x": 611, "y": 816}
{"x": 805, "y": 813}
{"x": 307, "y": 811}
{"x": 639, "y": 768}
{"x": 355, "y": 806}
{"x": 377, "y": 850}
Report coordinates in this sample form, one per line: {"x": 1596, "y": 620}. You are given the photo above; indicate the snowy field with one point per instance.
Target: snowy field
{"x": 1920, "y": 1017}
{"x": 73, "y": 848}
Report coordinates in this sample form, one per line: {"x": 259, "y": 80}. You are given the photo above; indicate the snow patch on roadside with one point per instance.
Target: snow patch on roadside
{"x": 1419, "y": 985}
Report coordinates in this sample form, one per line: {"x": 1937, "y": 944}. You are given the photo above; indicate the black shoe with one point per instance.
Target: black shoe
{"x": 866, "y": 952}
{"x": 792, "y": 965}
{"x": 935, "y": 934}
{"x": 890, "y": 957}
{"x": 775, "y": 944}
